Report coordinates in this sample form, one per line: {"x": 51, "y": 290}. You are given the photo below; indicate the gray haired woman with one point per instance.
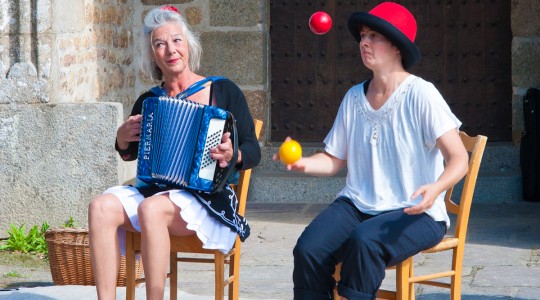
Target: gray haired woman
{"x": 171, "y": 55}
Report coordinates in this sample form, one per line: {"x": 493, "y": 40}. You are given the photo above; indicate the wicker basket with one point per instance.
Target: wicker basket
{"x": 69, "y": 258}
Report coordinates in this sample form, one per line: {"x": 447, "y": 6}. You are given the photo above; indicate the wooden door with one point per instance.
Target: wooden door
{"x": 465, "y": 48}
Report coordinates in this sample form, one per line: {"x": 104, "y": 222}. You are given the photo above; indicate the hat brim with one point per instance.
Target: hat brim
{"x": 410, "y": 54}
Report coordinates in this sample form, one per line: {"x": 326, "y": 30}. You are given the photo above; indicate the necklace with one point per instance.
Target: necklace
{"x": 377, "y": 119}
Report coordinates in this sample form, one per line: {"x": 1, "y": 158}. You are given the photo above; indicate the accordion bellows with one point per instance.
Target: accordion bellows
{"x": 176, "y": 137}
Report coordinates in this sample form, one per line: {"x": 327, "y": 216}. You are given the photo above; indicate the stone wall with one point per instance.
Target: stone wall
{"x": 525, "y": 57}
{"x": 69, "y": 75}
{"x": 55, "y": 157}
{"x": 55, "y": 138}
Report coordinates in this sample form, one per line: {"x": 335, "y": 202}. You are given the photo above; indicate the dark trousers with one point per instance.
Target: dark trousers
{"x": 366, "y": 245}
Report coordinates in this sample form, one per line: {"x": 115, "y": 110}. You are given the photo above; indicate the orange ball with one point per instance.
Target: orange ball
{"x": 290, "y": 151}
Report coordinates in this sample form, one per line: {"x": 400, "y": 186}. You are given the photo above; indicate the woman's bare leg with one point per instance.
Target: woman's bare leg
{"x": 105, "y": 215}
{"x": 158, "y": 217}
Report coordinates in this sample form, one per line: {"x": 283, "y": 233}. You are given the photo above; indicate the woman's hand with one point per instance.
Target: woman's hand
{"x": 456, "y": 166}
{"x": 318, "y": 164}
{"x": 223, "y": 153}
{"x": 429, "y": 194}
{"x": 297, "y": 166}
{"x": 129, "y": 131}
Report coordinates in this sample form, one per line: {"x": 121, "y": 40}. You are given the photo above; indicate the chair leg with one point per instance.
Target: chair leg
{"x": 402, "y": 279}
{"x": 455, "y": 288}
{"x": 219, "y": 269}
{"x": 337, "y": 277}
{"x": 411, "y": 284}
{"x": 173, "y": 276}
{"x": 234, "y": 271}
{"x": 455, "y": 281}
{"x": 130, "y": 267}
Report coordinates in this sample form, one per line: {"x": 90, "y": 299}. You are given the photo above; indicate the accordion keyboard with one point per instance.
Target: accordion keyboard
{"x": 213, "y": 138}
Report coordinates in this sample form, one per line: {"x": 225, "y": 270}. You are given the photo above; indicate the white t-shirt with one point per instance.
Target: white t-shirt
{"x": 390, "y": 152}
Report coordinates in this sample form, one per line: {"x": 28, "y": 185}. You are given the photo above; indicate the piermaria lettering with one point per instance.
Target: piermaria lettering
{"x": 148, "y": 136}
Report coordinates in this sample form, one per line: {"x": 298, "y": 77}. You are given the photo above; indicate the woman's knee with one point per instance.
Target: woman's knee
{"x": 105, "y": 210}
{"x": 362, "y": 240}
{"x": 306, "y": 249}
{"x": 154, "y": 208}
{"x": 103, "y": 205}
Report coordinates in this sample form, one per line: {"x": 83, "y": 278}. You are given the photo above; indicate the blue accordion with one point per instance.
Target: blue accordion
{"x": 176, "y": 136}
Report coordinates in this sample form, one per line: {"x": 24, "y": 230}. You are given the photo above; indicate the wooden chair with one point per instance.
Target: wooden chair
{"x": 191, "y": 244}
{"x": 405, "y": 278}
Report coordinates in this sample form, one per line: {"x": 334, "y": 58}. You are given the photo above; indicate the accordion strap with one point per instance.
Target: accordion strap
{"x": 199, "y": 85}
{"x": 192, "y": 89}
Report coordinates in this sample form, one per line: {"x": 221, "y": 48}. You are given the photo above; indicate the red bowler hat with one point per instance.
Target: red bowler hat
{"x": 393, "y": 21}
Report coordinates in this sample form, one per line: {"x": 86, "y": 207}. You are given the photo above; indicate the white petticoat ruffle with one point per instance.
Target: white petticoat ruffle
{"x": 212, "y": 233}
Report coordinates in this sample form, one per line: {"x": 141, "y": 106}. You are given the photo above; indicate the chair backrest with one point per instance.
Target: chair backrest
{"x": 475, "y": 146}
{"x": 242, "y": 187}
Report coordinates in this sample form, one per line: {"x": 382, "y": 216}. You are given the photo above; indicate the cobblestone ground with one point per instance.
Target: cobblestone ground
{"x": 502, "y": 259}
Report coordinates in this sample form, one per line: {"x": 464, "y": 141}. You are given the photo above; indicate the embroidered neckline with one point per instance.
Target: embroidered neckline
{"x": 376, "y": 118}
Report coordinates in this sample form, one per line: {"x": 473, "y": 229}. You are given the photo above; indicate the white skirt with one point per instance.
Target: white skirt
{"x": 212, "y": 233}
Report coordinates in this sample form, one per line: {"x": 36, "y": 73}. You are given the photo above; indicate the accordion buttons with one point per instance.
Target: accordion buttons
{"x": 211, "y": 142}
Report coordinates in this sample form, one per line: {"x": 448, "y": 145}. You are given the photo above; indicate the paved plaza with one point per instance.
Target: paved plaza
{"x": 502, "y": 258}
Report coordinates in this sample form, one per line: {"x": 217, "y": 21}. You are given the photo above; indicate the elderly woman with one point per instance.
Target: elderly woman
{"x": 172, "y": 55}
{"x": 399, "y": 141}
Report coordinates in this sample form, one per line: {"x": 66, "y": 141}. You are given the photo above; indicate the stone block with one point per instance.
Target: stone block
{"x": 525, "y": 16}
{"x": 518, "y": 126}
{"x": 68, "y": 20}
{"x": 5, "y": 17}
{"x": 500, "y": 159}
{"x": 45, "y": 47}
{"x": 23, "y": 85}
{"x": 257, "y": 105}
{"x": 235, "y": 13}
{"x": 55, "y": 158}
{"x": 236, "y": 55}
{"x": 279, "y": 188}
{"x": 526, "y": 62}
{"x": 193, "y": 15}
{"x": 43, "y": 16}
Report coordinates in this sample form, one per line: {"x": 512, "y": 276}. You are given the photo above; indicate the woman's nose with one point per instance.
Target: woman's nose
{"x": 364, "y": 42}
{"x": 170, "y": 47}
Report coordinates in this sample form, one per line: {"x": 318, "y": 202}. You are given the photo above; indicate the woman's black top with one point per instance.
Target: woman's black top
{"x": 221, "y": 205}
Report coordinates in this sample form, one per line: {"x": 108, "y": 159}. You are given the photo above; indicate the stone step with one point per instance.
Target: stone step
{"x": 499, "y": 179}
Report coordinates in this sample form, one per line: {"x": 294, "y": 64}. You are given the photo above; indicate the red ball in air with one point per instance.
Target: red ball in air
{"x": 320, "y": 22}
